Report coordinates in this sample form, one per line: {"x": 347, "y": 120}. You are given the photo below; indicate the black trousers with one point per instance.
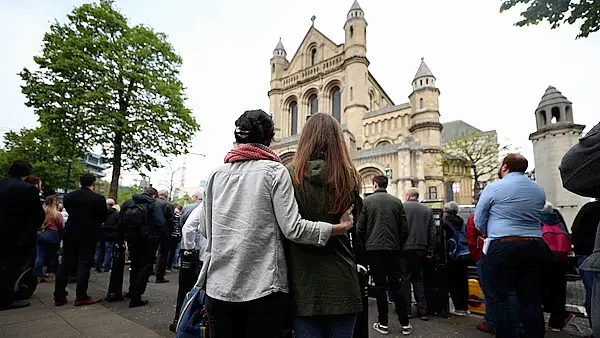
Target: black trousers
{"x": 458, "y": 283}
{"x": 173, "y": 247}
{"x": 386, "y": 270}
{"x": 77, "y": 252}
{"x": 188, "y": 275}
{"x": 12, "y": 263}
{"x": 555, "y": 291}
{"x": 263, "y": 317}
{"x": 141, "y": 254}
{"x": 115, "y": 286}
{"x": 413, "y": 274}
{"x": 164, "y": 246}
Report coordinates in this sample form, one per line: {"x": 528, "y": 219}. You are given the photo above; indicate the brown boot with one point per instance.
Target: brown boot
{"x": 484, "y": 327}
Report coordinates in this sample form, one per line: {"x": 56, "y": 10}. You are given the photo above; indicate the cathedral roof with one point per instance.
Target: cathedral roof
{"x": 552, "y": 97}
{"x": 279, "y": 46}
{"x": 386, "y": 110}
{"x": 453, "y": 129}
{"x": 423, "y": 70}
{"x": 355, "y": 5}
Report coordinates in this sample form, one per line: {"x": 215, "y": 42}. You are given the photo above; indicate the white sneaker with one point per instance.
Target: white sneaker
{"x": 407, "y": 330}
{"x": 381, "y": 328}
{"x": 460, "y": 313}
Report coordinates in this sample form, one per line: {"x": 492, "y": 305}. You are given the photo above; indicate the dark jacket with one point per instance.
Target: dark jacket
{"x": 156, "y": 219}
{"x": 421, "y": 227}
{"x": 311, "y": 268}
{"x": 584, "y": 228}
{"x": 168, "y": 210}
{"x": 580, "y": 166}
{"x": 382, "y": 224}
{"x": 592, "y": 263}
{"x": 21, "y": 214}
{"x": 110, "y": 228}
{"x": 186, "y": 211}
{"x": 87, "y": 211}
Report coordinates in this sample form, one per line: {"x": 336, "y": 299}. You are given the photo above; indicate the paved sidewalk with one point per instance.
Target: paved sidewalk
{"x": 43, "y": 319}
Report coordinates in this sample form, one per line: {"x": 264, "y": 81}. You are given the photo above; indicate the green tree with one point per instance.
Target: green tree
{"x": 473, "y": 155}
{"x": 185, "y": 199}
{"x": 558, "y": 12}
{"x": 39, "y": 149}
{"x": 103, "y": 82}
{"x": 126, "y": 193}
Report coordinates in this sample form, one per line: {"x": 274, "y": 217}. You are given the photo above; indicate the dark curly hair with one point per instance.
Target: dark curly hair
{"x": 254, "y": 126}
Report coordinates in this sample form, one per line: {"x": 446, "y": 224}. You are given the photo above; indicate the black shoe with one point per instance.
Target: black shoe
{"x": 137, "y": 303}
{"x": 173, "y": 326}
{"x": 424, "y": 318}
{"x": 127, "y": 295}
{"x": 161, "y": 281}
{"x": 16, "y": 305}
{"x": 113, "y": 297}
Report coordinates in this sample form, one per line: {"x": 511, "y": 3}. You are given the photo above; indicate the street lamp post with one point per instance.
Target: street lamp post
{"x": 68, "y": 175}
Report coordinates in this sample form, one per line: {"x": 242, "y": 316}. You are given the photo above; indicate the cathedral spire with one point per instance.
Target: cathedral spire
{"x": 279, "y": 49}
{"x": 355, "y": 11}
{"x": 423, "y": 71}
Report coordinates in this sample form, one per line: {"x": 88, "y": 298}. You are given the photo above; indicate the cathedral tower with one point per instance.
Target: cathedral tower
{"x": 556, "y": 134}
{"x": 279, "y": 63}
{"x": 426, "y": 127}
{"x": 357, "y": 73}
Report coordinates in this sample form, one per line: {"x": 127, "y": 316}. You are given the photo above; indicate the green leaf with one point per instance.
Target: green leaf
{"x": 102, "y": 82}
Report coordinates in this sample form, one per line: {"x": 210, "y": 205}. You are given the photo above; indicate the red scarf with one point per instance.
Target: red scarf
{"x": 249, "y": 152}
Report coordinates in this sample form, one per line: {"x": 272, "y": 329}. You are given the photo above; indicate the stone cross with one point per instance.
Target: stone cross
{"x": 313, "y": 18}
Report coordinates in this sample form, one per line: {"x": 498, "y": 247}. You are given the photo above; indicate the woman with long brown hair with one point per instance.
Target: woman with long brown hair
{"x": 323, "y": 280}
{"x": 48, "y": 241}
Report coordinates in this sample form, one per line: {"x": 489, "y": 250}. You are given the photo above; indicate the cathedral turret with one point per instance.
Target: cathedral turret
{"x": 556, "y": 134}
{"x": 356, "y": 31}
{"x": 278, "y": 62}
{"x": 355, "y": 49}
{"x": 426, "y": 126}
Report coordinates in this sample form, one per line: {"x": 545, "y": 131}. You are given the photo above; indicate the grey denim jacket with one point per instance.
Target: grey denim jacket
{"x": 248, "y": 207}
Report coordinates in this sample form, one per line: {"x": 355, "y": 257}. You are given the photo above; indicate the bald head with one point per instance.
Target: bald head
{"x": 110, "y": 203}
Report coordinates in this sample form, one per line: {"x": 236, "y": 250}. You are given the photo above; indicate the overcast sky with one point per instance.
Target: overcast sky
{"x": 490, "y": 73}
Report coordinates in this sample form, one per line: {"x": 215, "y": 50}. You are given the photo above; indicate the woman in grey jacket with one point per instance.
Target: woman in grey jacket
{"x": 580, "y": 173}
{"x": 249, "y": 205}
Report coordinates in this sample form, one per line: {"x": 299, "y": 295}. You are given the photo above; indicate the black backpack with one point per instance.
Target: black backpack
{"x": 135, "y": 220}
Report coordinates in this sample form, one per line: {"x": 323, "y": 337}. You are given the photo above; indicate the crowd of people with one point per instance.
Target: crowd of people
{"x": 288, "y": 249}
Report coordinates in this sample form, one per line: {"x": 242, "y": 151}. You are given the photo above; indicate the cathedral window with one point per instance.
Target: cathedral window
{"x": 351, "y": 31}
{"x": 313, "y": 56}
{"x": 273, "y": 68}
{"x": 336, "y": 109}
{"x": 420, "y": 82}
{"x": 421, "y": 104}
{"x": 294, "y": 118}
{"x": 313, "y": 102}
{"x": 433, "y": 193}
{"x": 555, "y": 115}
{"x": 426, "y": 81}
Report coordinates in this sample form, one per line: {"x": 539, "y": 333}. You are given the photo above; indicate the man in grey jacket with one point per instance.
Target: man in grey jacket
{"x": 419, "y": 246}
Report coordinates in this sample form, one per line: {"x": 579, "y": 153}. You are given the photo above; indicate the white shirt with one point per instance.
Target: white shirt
{"x": 191, "y": 238}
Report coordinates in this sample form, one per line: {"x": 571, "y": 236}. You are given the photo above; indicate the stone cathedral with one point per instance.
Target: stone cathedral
{"x": 401, "y": 141}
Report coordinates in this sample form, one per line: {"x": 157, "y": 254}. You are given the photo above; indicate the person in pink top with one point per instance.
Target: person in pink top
{"x": 48, "y": 240}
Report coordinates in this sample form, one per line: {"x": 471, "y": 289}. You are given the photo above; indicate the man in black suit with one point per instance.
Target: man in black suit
{"x": 21, "y": 214}
{"x": 87, "y": 212}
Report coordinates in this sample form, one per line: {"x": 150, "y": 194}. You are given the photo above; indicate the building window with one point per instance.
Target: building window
{"x": 336, "y": 109}
{"x": 313, "y": 56}
{"x": 433, "y": 193}
{"x": 555, "y": 115}
{"x": 273, "y": 68}
{"x": 421, "y": 103}
{"x": 351, "y": 31}
{"x": 313, "y": 104}
{"x": 426, "y": 81}
{"x": 294, "y": 118}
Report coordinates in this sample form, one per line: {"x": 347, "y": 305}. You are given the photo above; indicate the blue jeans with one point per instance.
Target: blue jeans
{"x": 515, "y": 267}
{"x": 108, "y": 245}
{"x": 332, "y": 326}
{"x": 47, "y": 244}
{"x": 177, "y": 252}
{"x": 587, "y": 277}
{"x": 513, "y": 304}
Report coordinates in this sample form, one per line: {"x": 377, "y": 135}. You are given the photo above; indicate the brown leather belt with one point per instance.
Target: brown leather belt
{"x": 518, "y": 239}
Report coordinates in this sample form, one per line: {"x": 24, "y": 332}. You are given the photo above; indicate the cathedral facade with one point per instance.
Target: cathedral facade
{"x": 402, "y": 141}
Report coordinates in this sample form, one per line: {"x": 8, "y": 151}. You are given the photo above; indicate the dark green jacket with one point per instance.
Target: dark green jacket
{"x": 323, "y": 280}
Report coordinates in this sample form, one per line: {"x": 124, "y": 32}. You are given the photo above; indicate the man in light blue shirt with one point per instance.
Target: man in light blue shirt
{"x": 508, "y": 212}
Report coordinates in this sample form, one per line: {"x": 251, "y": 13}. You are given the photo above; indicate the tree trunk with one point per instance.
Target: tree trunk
{"x": 116, "y": 162}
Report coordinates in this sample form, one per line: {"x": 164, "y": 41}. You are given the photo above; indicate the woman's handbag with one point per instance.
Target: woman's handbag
{"x": 193, "y": 320}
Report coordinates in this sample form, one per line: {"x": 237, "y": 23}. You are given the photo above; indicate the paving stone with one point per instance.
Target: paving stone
{"x": 95, "y": 318}
{"x": 35, "y": 328}
{"x": 111, "y": 329}
{"x": 25, "y": 314}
